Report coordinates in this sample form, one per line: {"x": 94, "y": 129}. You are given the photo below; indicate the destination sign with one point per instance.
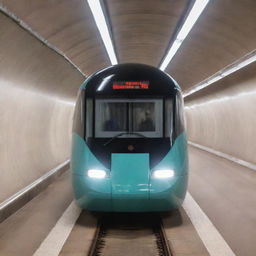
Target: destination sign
{"x": 141, "y": 85}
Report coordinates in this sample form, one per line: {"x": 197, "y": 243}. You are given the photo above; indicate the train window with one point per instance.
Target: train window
{"x": 110, "y": 118}
{"x": 128, "y": 116}
{"x": 78, "y": 123}
{"x": 179, "y": 115}
{"x": 89, "y": 115}
{"x": 146, "y": 117}
{"x": 168, "y": 117}
{"x": 143, "y": 117}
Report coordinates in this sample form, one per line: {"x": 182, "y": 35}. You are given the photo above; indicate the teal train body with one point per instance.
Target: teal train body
{"x": 129, "y": 146}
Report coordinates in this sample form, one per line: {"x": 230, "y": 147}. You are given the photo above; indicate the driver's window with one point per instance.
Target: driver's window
{"x": 111, "y": 118}
{"x": 115, "y": 116}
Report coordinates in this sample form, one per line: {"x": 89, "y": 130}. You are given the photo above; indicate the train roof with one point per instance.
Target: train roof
{"x": 130, "y": 78}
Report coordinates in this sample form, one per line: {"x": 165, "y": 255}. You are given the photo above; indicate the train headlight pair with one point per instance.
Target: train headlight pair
{"x": 97, "y": 174}
{"x": 163, "y": 174}
{"x": 159, "y": 174}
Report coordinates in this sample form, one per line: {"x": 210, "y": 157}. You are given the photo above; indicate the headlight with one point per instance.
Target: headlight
{"x": 97, "y": 174}
{"x": 162, "y": 174}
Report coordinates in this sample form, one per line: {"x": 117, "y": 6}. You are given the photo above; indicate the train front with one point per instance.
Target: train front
{"x": 129, "y": 148}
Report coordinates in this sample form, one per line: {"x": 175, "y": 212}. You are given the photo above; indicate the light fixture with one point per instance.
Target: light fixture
{"x": 97, "y": 174}
{"x": 237, "y": 65}
{"x": 193, "y": 15}
{"x": 103, "y": 28}
{"x": 163, "y": 174}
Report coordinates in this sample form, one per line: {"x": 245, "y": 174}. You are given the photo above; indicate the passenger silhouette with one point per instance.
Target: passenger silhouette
{"x": 147, "y": 124}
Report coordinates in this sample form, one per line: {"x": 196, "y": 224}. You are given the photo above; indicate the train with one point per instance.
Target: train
{"x": 129, "y": 145}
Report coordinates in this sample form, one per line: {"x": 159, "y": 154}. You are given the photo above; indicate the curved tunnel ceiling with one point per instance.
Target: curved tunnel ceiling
{"x": 68, "y": 25}
{"x": 142, "y": 33}
{"x": 223, "y": 33}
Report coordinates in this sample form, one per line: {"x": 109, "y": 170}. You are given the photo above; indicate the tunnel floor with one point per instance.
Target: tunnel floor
{"x": 216, "y": 184}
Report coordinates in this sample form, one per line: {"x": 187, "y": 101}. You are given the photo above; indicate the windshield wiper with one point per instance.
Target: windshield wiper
{"x": 124, "y": 133}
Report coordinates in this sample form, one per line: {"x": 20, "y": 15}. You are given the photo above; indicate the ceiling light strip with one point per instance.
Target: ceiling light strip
{"x": 101, "y": 23}
{"x": 239, "y": 64}
{"x": 191, "y": 19}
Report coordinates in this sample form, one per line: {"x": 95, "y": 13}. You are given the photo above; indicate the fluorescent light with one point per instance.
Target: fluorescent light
{"x": 98, "y": 174}
{"x": 239, "y": 64}
{"x": 249, "y": 60}
{"x": 192, "y": 18}
{"x": 193, "y": 15}
{"x": 215, "y": 79}
{"x": 163, "y": 174}
{"x": 223, "y": 99}
{"x": 174, "y": 48}
{"x": 203, "y": 85}
{"x": 103, "y": 28}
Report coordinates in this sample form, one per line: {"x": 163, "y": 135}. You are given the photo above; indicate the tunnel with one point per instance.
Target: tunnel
{"x": 47, "y": 51}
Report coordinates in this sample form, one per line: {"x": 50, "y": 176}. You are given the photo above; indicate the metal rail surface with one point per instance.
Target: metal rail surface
{"x": 131, "y": 235}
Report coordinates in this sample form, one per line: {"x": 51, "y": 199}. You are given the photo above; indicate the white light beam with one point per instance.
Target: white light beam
{"x": 194, "y": 14}
{"x": 103, "y": 29}
{"x": 239, "y": 64}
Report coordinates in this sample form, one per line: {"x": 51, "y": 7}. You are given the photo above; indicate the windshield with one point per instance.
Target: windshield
{"x": 129, "y": 116}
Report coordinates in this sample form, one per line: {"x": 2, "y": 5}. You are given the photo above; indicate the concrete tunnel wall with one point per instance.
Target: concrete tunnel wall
{"x": 223, "y": 116}
{"x": 37, "y": 92}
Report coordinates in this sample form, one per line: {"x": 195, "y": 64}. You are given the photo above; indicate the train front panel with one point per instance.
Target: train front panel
{"x": 129, "y": 147}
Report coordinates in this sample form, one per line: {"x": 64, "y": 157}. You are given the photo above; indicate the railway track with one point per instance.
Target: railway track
{"x": 130, "y": 235}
